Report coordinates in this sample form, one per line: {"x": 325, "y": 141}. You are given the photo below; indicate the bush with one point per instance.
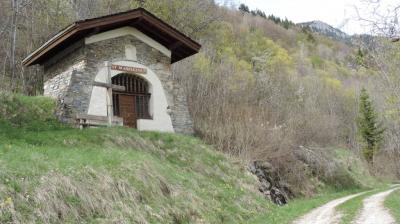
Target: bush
{"x": 27, "y": 113}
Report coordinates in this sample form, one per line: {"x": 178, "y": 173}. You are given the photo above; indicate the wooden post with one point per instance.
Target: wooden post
{"x": 110, "y": 111}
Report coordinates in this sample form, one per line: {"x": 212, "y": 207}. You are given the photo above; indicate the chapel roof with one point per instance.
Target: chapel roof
{"x": 180, "y": 45}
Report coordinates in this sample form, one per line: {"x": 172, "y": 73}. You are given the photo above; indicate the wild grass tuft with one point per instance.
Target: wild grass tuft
{"x": 393, "y": 204}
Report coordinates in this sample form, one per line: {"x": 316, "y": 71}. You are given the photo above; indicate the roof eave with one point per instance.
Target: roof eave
{"x": 34, "y": 55}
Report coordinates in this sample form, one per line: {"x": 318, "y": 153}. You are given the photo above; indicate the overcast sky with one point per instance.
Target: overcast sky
{"x": 338, "y": 13}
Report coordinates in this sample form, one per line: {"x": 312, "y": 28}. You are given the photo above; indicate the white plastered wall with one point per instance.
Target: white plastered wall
{"x": 158, "y": 102}
{"x": 123, "y": 31}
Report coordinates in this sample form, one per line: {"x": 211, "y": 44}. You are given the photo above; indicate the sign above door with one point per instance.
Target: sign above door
{"x": 129, "y": 69}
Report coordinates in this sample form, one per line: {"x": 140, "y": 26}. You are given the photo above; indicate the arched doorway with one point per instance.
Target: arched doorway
{"x": 133, "y": 103}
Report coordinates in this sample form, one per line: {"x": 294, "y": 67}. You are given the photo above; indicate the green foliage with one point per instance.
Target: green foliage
{"x": 360, "y": 57}
{"x": 316, "y": 61}
{"x": 307, "y": 31}
{"x": 283, "y": 22}
{"x": 266, "y": 54}
{"x": 370, "y": 129}
{"x": 357, "y": 169}
{"x": 27, "y": 113}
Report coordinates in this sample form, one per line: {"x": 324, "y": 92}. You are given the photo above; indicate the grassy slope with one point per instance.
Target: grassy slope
{"x": 54, "y": 174}
{"x": 393, "y": 203}
{"x": 119, "y": 174}
{"x": 357, "y": 169}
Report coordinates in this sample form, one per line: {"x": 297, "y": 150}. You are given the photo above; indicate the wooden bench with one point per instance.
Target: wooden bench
{"x": 85, "y": 120}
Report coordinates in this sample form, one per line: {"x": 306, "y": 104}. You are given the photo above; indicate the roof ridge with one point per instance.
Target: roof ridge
{"x": 140, "y": 18}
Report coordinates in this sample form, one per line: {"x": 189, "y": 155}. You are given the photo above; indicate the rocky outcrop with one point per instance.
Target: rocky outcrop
{"x": 270, "y": 184}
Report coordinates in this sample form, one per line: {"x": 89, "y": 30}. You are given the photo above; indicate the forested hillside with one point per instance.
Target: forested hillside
{"x": 261, "y": 89}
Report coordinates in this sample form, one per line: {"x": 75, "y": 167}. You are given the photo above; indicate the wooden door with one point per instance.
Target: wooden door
{"x": 127, "y": 110}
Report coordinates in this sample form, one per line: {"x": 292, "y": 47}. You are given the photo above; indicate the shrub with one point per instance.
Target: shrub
{"x": 28, "y": 113}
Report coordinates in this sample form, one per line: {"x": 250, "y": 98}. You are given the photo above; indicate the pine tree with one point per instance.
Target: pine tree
{"x": 261, "y": 13}
{"x": 360, "y": 57}
{"x": 244, "y": 8}
{"x": 370, "y": 129}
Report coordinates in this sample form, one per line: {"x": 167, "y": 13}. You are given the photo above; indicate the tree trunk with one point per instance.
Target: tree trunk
{"x": 14, "y": 4}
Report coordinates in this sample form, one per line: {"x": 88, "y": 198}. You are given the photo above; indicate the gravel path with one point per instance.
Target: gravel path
{"x": 326, "y": 214}
{"x": 373, "y": 210}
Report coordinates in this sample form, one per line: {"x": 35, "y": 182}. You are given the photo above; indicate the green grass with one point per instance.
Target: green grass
{"x": 298, "y": 207}
{"x": 392, "y": 202}
{"x": 357, "y": 169}
{"x": 99, "y": 175}
{"x": 350, "y": 208}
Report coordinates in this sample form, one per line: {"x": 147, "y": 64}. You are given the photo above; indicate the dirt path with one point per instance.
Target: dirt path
{"x": 373, "y": 210}
{"x": 325, "y": 214}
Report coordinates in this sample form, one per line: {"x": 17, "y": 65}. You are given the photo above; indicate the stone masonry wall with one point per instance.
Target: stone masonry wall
{"x": 60, "y": 76}
{"x": 57, "y": 87}
{"x": 181, "y": 119}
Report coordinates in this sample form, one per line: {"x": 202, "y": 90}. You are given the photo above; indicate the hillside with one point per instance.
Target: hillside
{"x": 51, "y": 173}
{"x": 63, "y": 175}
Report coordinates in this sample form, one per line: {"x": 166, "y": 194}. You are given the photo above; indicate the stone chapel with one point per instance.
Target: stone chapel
{"x": 116, "y": 70}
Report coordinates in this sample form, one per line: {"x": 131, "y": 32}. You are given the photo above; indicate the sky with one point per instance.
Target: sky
{"x": 338, "y": 13}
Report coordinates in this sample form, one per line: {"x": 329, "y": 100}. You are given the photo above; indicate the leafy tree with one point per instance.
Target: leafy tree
{"x": 370, "y": 129}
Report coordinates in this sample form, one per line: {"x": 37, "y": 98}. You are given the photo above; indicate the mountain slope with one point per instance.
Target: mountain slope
{"x": 325, "y": 29}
